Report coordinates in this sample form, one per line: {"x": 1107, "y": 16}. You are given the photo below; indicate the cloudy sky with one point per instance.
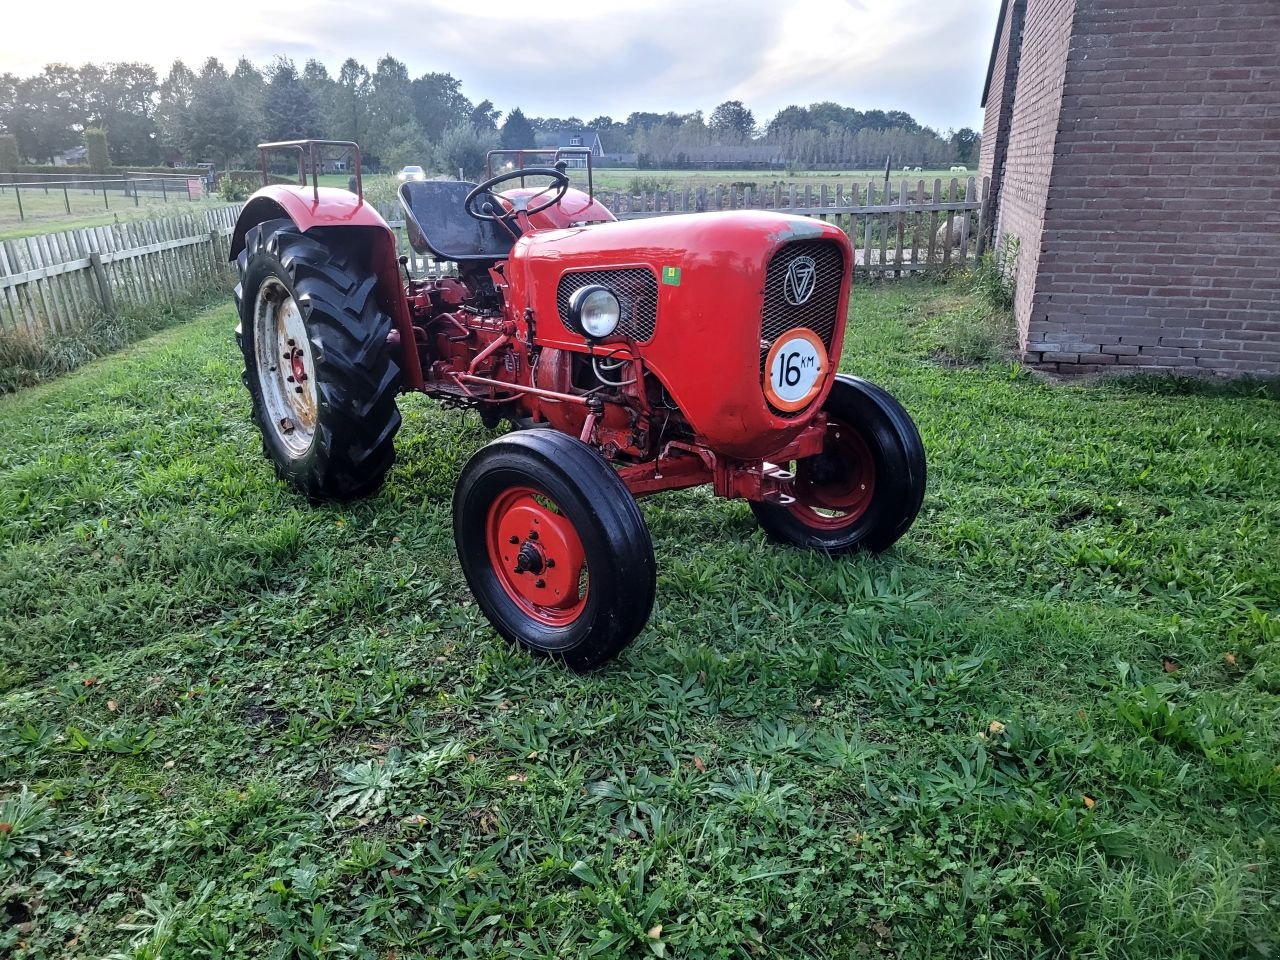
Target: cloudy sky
{"x": 566, "y": 57}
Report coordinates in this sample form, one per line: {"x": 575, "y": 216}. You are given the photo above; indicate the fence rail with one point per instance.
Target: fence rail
{"x": 55, "y": 282}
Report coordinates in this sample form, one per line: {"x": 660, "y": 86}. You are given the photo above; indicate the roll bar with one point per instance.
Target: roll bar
{"x": 306, "y": 151}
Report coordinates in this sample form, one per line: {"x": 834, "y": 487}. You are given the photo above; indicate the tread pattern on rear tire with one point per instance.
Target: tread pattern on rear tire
{"x": 357, "y": 379}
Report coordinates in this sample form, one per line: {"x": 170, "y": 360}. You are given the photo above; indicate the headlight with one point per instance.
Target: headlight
{"x": 595, "y": 311}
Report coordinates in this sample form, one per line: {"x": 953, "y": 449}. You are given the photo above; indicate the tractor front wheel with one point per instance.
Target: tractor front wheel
{"x": 317, "y": 364}
{"x": 863, "y": 491}
{"x": 554, "y": 547}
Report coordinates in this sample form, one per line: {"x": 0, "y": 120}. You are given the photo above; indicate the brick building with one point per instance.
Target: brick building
{"x": 1133, "y": 148}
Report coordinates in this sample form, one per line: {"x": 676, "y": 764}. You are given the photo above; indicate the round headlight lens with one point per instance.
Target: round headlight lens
{"x": 596, "y": 311}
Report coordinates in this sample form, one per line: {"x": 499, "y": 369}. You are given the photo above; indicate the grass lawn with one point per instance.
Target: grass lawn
{"x": 1046, "y": 723}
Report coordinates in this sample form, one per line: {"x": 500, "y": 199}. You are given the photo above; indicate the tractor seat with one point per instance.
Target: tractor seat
{"x": 438, "y": 224}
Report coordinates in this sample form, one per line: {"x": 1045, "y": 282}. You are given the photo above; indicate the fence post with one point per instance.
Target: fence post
{"x": 66, "y": 199}
{"x": 17, "y": 192}
{"x": 104, "y": 285}
{"x": 164, "y": 191}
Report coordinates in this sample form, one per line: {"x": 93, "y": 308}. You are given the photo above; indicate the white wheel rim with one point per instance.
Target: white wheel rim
{"x": 286, "y": 372}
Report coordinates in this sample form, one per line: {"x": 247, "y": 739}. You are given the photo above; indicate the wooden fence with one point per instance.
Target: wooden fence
{"x": 897, "y": 228}
{"x": 55, "y": 282}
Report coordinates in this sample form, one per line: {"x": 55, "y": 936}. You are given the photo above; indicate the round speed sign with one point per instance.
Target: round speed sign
{"x": 795, "y": 367}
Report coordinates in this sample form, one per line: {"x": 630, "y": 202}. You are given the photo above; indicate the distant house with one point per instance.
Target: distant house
{"x": 1134, "y": 150}
{"x": 580, "y": 138}
{"x": 71, "y": 158}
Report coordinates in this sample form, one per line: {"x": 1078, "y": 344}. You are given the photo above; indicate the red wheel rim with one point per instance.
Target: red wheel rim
{"x": 537, "y": 556}
{"x": 833, "y": 489}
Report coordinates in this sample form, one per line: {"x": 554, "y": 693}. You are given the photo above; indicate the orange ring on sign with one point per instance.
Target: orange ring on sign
{"x": 796, "y": 333}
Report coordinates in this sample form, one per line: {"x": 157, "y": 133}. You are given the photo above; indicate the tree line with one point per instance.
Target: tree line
{"x": 218, "y": 114}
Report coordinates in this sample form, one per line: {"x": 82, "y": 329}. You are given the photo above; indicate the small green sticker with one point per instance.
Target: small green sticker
{"x": 671, "y": 276}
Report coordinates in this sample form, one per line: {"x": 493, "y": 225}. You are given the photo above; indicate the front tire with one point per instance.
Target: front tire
{"x": 554, "y": 547}
{"x": 317, "y": 366}
{"x": 865, "y": 489}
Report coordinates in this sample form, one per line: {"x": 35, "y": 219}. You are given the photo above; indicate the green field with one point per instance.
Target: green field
{"x": 1047, "y": 723}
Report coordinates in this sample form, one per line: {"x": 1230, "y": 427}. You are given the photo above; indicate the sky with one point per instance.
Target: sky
{"x": 566, "y": 57}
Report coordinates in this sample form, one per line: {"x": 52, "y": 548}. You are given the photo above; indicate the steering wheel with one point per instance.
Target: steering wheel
{"x": 518, "y": 204}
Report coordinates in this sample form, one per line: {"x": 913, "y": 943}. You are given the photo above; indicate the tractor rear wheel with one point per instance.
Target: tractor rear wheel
{"x": 865, "y": 488}
{"x": 554, "y": 547}
{"x": 317, "y": 364}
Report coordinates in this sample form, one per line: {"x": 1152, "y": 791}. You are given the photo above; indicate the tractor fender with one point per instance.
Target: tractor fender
{"x": 331, "y": 207}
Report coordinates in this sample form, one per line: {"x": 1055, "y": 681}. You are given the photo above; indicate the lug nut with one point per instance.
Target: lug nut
{"x": 297, "y": 389}
{"x": 293, "y": 343}
{"x": 533, "y": 534}
{"x": 513, "y": 539}
{"x": 550, "y": 563}
{"x": 540, "y": 583}
{"x": 289, "y": 378}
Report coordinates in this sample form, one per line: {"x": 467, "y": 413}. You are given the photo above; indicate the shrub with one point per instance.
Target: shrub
{"x": 649, "y": 184}
{"x": 96, "y": 142}
{"x": 8, "y": 153}
{"x": 995, "y": 279}
{"x": 237, "y": 185}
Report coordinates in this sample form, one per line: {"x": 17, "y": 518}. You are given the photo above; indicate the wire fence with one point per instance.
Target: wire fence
{"x": 28, "y": 196}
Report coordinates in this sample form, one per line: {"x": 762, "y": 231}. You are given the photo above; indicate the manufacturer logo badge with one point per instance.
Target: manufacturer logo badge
{"x": 801, "y": 281}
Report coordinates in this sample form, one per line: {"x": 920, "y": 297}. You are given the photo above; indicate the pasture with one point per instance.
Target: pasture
{"x": 1045, "y": 724}
{"x": 45, "y": 210}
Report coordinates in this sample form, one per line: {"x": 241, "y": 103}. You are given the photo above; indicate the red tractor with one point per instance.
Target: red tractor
{"x": 631, "y": 357}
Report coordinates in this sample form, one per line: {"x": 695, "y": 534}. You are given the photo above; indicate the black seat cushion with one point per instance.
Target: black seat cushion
{"x": 438, "y": 224}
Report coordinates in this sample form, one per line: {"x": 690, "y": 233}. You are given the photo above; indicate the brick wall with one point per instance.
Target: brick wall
{"x": 1032, "y": 141}
{"x": 999, "y": 97}
{"x": 1160, "y": 245}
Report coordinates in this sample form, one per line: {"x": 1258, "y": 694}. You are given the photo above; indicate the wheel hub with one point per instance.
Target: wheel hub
{"x": 537, "y": 556}
{"x": 835, "y": 487}
{"x": 285, "y": 366}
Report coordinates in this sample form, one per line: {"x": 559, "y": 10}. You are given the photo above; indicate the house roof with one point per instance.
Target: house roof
{"x": 589, "y": 137}
{"x": 995, "y": 52}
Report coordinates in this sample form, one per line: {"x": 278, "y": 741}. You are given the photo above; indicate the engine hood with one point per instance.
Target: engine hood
{"x": 705, "y": 276}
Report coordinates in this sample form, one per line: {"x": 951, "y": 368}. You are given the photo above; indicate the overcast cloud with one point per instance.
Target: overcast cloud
{"x": 567, "y": 57}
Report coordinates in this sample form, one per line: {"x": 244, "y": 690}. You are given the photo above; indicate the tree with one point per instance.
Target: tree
{"x": 350, "y": 117}
{"x": 485, "y": 117}
{"x": 406, "y": 145}
{"x": 289, "y": 111}
{"x": 965, "y": 143}
{"x": 731, "y": 119}
{"x": 517, "y": 132}
{"x": 8, "y": 153}
{"x": 390, "y": 103}
{"x": 172, "y": 123}
{"x": 95, "y": 142}
{"x": 438, "y": 103}
{"x": 129, "y": 94}
{"x": 463, "y": 148}
{"x": 219, "y": 128}
{"x": 249, "y": 88}
{"x": 323, "y": 89}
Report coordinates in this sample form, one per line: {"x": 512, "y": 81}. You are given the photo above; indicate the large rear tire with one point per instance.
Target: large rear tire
{"x": 865, "y": 489}
{"x": 317, "y": 365}
{"x": 554, "y": 547}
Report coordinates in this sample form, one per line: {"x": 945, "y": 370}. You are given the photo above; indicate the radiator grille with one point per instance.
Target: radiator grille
{"x": 637, "y": 292}
{"x": 819, "y": 312}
